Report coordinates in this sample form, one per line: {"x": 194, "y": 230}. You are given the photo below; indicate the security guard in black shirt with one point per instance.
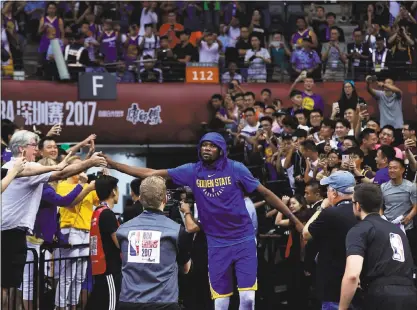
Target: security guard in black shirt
{"x": 76, "y": 56}
{"x": 379, "y": 254}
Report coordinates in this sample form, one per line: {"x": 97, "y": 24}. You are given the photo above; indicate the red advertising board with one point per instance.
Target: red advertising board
{"x": 146, "y": 113}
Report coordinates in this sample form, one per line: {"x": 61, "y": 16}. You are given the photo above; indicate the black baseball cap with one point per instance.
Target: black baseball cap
{"x": 280, "y": 112}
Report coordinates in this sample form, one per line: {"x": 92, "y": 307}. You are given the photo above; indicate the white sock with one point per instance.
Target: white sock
{"x": 247, "y": 300}
{"x": 222, "y": 303}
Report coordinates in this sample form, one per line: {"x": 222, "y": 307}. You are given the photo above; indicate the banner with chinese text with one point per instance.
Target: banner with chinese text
{"x": 146, "y": 113}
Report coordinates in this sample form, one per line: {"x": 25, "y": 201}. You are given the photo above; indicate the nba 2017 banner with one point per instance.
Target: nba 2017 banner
{"x": 147, "y": 113}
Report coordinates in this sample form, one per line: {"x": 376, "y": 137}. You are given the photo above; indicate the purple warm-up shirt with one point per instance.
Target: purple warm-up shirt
{"x": 46, "y": 219}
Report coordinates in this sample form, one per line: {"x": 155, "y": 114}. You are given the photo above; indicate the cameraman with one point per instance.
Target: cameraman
{"x": 154, "y": 249}
{"x": 180, "y": 196}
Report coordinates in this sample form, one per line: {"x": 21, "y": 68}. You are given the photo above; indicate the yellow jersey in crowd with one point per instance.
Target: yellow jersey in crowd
{"x": 79, "y": 216}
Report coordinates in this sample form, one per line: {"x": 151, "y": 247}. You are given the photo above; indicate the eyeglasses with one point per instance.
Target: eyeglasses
{"x": 32, "y": 144}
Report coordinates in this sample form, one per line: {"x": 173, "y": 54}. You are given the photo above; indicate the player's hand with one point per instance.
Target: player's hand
{"x": 184, "y": 207}
{"x": 99, "y": 161}
{"x": 108, "y": 159}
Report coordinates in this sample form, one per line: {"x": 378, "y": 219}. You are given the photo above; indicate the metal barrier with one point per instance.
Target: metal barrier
{"x": 63, "y": 276}
{"x": 12, "y": 299}
{"x": 54, "y": 275}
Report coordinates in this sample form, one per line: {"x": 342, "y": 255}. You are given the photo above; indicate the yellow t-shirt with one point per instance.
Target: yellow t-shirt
{"x": 80, "y": 216}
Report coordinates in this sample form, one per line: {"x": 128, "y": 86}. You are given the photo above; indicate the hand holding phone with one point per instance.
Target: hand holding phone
{"x": 409, "y": 143}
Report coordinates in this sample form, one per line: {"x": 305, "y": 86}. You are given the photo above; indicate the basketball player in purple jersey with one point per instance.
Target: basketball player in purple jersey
{"x": 219, "y": 184}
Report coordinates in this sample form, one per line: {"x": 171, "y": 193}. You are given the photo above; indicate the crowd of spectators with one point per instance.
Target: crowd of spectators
{"x": 289, "y": 149}
{"x": 153, "y": 41}
{"x": 293, "y": 148}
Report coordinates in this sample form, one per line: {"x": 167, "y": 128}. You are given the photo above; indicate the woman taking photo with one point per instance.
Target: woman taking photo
{"x": 327, "y": 164}
{"x": 349, "y": 99}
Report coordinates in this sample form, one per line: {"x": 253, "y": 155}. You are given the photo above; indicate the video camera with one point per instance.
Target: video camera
{"x": 94, "y": 176}
{"x": 174, "y": 196}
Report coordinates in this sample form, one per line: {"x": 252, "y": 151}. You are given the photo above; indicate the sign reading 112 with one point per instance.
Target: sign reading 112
{"x": 207, "y": 75}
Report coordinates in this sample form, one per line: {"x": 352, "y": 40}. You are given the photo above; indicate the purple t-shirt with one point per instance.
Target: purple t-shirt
{"x": 305, "y": 60}
{"x": 6, "y": 155}
{"x": 219, "y": 195}
{"x": 313, "y": 101}
{"x": 381, "y": 176}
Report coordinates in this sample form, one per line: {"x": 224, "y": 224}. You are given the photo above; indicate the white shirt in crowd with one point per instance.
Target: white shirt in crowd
{"x": 209, "y": 53}
{"x": 226, "y": 78}
{"x": 233, "y": 35}
{"x": 313, "y": 166}
{"x": 332, "y": 142}
{"x": 148, "y": 17}
{"x": 290, "y": 173}
{"x": 257, "y": 67}
{"x": 150, "y": 45}
{"x": 5, "y": 43}
{"x": 90, "y": 48}
{"x": 249, "y": 131}
{"x": 250, "y": 207}
{"x": 21, "y": 199}
{"x": 306, "y": 128}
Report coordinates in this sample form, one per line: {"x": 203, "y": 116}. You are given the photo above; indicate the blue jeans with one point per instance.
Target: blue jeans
{"x": 329, "y": 305}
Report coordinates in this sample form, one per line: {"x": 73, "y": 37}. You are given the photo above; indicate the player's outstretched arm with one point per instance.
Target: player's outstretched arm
{"x": 277, "y": 203}
{"x": 137, "y": 172}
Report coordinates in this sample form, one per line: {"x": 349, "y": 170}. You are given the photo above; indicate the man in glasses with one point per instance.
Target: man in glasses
{"x": 387, "y": 275}
{"x": 20, "y": 204}
{"x": 328, "y": 228}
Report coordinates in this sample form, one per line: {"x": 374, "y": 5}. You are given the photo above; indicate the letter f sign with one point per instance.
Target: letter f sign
{"x": 96, "y": 85}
